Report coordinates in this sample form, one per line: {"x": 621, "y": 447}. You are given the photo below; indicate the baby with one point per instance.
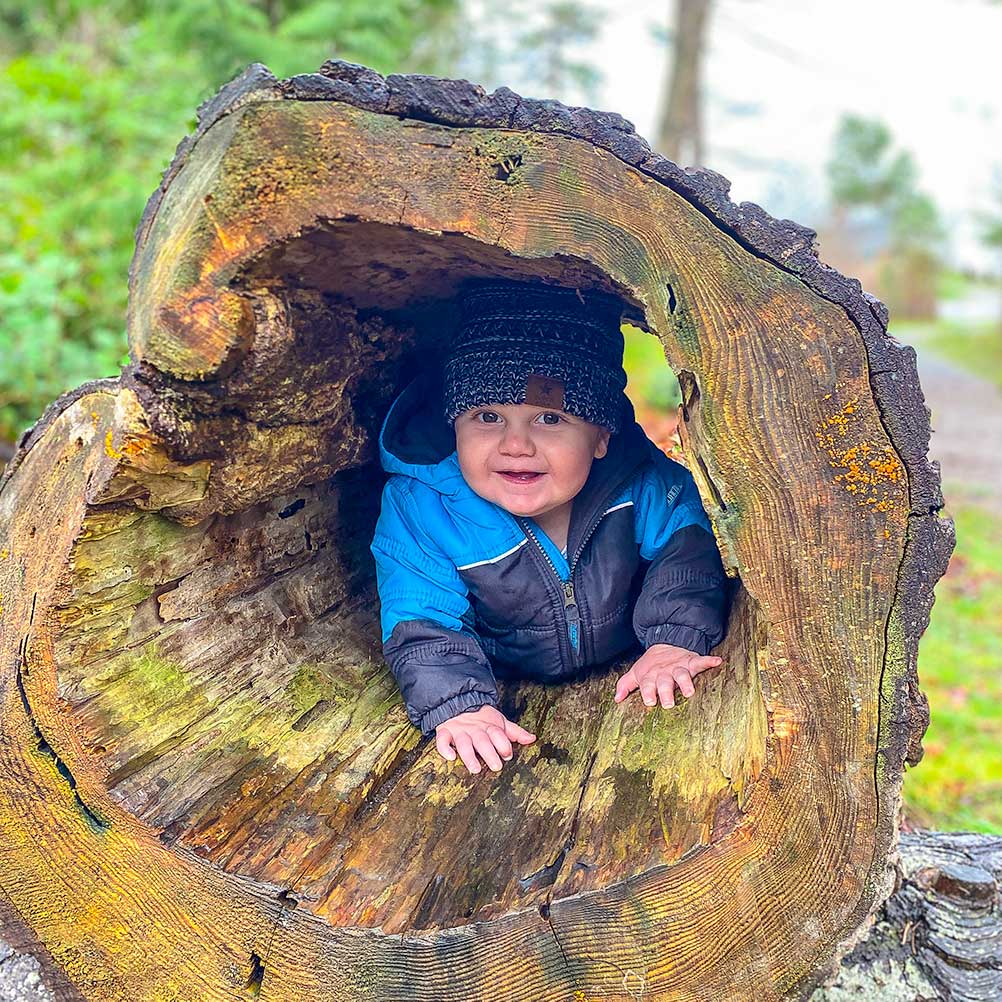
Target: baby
{"x": 529, "y": 528}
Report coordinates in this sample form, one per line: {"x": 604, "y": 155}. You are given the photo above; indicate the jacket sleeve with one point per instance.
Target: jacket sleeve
{"x": 426, "y": 618}
{"x": 683, "y": 599}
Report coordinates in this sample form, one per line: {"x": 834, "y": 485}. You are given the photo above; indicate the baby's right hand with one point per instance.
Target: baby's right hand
{"x": 486, "y": 731}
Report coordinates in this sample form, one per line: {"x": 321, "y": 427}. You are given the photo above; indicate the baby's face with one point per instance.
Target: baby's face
{"x": 525, "y": 458}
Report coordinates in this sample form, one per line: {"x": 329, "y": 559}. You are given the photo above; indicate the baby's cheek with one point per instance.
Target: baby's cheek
{"x": 576, "y": 470}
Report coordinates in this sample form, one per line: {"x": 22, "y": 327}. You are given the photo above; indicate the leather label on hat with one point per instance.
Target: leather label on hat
{"x": 542, "y": 391}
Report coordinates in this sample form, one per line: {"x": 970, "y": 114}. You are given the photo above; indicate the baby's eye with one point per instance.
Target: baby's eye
{"x": 549, "y": 414}
{"x": 489, "y": 417}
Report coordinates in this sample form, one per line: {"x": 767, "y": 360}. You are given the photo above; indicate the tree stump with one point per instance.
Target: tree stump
{"x": 209, "y": 788}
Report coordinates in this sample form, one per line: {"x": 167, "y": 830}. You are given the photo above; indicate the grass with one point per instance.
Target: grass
{"x": 958, "y": 784}
{"x": 976, "y": 347}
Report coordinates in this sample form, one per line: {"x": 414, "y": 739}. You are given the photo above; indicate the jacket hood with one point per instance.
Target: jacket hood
{"x": 416, "y": 441}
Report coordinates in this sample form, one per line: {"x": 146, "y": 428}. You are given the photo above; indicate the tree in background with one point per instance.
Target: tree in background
{"x": 868, "y": 178}
{"x": 990, "y": 228}
{"x": 680, "y": 123}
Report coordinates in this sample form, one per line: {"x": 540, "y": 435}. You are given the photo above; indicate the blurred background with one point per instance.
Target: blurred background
{"x": 879, "y": 124}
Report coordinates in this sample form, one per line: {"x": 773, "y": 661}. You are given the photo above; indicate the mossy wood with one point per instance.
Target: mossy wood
{"x": 209, "y": 787}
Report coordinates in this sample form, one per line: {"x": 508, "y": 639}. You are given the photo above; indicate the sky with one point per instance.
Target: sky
{"x": 779, "y": 73}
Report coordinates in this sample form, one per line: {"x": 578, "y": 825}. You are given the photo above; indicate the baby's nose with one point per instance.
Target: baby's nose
{"x": 516, "y": 441}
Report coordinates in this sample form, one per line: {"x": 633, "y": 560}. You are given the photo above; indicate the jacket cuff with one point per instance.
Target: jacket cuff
{"x": 679, "y": 636}
{"x": 453, "y": 705}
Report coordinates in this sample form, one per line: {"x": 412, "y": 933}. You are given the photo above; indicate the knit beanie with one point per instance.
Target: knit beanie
{"x": 527, "y": 342}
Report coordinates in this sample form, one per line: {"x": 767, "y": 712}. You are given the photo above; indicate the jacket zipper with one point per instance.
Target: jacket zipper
{"x": 571, "y": 613}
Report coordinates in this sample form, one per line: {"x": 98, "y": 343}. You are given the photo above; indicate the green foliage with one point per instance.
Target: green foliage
{"x": 863, "y": 170}
{"x": 652, "y": 383}
{"x": 82, "y": 147}
{"x": 958, "y": 784}
{"x": 94, "y": 98}
{"x": 867, "y": 175}
{"x": 39, "y": 362}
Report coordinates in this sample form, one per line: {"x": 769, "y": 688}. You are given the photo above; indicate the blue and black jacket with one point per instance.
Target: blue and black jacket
{"x": 469, "y": 592}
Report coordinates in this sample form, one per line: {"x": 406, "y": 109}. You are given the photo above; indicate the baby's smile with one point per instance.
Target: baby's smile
{"x": 528, "y": 459}
{"x": 521, "y": 477}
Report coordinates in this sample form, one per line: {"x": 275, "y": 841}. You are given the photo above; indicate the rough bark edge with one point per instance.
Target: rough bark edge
{"x": 108, "y": 384}
{"x": 934, "y": 925}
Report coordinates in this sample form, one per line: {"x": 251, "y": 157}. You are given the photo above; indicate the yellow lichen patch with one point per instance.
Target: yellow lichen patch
{"x": 451, "y": 784}
{"x": 143, "y": 472}
{"x": 109, "y": 447}
{"x": 871, "y": 472}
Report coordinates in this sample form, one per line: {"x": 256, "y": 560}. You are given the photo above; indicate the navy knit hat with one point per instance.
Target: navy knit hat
{"x": 527, "y": 342}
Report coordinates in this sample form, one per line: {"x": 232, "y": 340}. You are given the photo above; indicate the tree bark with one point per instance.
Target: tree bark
{"x": 208, "y": 784}
{"x": 940, "y": 935}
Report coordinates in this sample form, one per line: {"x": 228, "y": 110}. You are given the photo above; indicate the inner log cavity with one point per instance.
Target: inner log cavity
{"x": 218, "y": 639}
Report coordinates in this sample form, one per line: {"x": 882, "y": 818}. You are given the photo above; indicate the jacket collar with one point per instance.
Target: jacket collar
{"x": 417, "y": 441}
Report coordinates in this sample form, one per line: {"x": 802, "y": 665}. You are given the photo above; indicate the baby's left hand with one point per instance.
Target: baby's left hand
{"x": 659, "y": 669}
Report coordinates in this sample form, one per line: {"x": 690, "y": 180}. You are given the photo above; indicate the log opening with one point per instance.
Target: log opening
{"x": 224, "y": 668}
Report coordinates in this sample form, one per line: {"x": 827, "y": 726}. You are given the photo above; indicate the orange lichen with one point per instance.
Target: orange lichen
{"x": 872, "y": 473}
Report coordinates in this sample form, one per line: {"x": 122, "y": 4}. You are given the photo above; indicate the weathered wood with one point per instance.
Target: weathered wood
{"x": 199, "y": 735}
{"x": 940, "y": 935}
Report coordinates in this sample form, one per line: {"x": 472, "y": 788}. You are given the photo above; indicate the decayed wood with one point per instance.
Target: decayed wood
{"x": 200, "y": 737}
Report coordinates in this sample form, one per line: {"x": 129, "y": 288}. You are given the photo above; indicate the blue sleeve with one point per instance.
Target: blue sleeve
{"x": 425, "y": 616}
{"x": 683, "y": 599}
{"x": 666, "y": 499}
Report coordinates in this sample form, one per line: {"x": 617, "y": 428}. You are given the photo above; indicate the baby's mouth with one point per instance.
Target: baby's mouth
{"x": 515, "y": 477}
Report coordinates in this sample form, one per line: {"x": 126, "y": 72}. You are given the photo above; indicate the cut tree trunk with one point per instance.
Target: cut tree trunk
{"x": 209, "y": 787}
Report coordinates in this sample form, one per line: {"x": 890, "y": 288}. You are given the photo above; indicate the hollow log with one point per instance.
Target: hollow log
{"x": 209, "y": 787}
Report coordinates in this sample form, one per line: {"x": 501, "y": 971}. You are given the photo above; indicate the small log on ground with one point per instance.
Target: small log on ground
{"x": 940, "y": 935}
{"x": 208, "y": 785}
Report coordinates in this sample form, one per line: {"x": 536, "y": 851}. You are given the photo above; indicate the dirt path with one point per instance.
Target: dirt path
{"x": 967, "y": 430}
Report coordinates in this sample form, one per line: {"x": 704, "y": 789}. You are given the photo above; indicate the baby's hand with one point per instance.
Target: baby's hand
{"x": 486, "y": 731}
{"x": 659, "y": 669}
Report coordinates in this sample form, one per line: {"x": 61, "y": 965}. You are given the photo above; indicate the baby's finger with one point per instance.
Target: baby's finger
{"x": 519, "y": 734}
{"x": 443, "y": 741}
{"x": 500, "y": 739}
{"x": 666, "y": 690}
{"x": 626, "y": 684}
{"x": 684, "y": 680}
{"x": 648, "y": 689}
{"x": 465, "y": 748}
{"x": 485, "y": 748}
{"x": 700, "y": 663}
